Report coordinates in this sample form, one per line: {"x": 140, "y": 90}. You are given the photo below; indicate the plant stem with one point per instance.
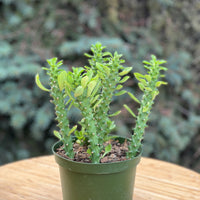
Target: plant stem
{"x": 149, "y": 84}
{"x": 90, "y": 126}
{"x": 59, "y": 102}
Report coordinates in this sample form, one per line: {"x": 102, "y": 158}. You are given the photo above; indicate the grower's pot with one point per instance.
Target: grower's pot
{"x": 103, "y": 181}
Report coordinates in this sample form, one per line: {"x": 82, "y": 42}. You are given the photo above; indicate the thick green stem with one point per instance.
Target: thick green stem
{"x": 109, "y": 80}
{"x": 63, "y": 122}
{"x": 101, "y": 113}
{"x": 90, "y": 127}
{"x": 141, "y": 124}
{"x": 148, "y": 83}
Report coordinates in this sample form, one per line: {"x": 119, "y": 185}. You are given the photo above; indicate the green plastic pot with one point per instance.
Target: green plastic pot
{"x": 103, "y": 181}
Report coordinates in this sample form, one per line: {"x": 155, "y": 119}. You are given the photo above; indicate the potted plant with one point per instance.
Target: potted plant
{"x": 95, "y": 165}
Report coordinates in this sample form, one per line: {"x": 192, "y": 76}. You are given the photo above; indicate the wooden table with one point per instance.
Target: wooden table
{"x": 38, "y": 179}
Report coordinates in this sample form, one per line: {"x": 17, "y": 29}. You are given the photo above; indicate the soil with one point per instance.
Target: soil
{"x": 117, "y": 153}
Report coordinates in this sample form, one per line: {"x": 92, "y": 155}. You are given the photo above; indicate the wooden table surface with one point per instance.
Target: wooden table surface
{"x": 38, "y": 179}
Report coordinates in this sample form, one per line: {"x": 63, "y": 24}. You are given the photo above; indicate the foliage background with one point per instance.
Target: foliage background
{"x": 32, "y": 31}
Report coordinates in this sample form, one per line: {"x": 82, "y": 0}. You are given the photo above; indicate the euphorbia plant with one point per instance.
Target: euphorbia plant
{"x": 91, "y": 90}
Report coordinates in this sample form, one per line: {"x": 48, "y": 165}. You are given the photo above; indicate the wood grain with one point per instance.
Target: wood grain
{"x": 38, "y": 179}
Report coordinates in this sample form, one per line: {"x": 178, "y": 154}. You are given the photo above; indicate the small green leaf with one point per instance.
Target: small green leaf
{"x": 70, "y": 77}
{"x": 130, "y": 111}
{"x": 143, "y": 81}
{"x": 123, "y": 80}
{"x": 69, "y": 81}
{"x": 108, "y": 148}
{"x": 99, "y": 67}
{"x": 107, "y": 54}
{"x": 59, "y": 63}
{"x": 140, "y": 78}
{"x": 91, "y": 86}
{"x": 98, "y": 102}
{"x": 90, "y": 73}
{"x": 78, "y": 141}
{"x": 119, "y": 87}
{"x": 148, "y": 89}
{"x": 154, "y": 58}
{"x": 111, "y": 124}
{"x": 138, "y": 75}
{"x": 148, "y": 78}
{"x": 68, "y": 102}
{"x": 160, "y": 62}
{"x": 94, "y": 99}
{"x": 79, "y": 91}
{"x": 87, "y": 55}
{"x": 162, "y": 75}
{"x": 154, "y": 94}
{"x": 122, "y": 61}
{"x": 52, "y": 62}
{"x": 80, "y": 135}
{"x": 163, "y": 68}
{"x": 147, "y": 67}
{"x": 120, "y": 93}
{"x": 125, "y": 71}
{"x": 145, "y": 108}
{"x": 141, "y": 86}
{"x": 107, "y": 70}
{"x": 115, "y": 114}
{"x": 39, "y": 84}
{"x": 57, "y": 134}
{"x": 77, "y": 70}
{"x": 110, "y": 137}
{"x": 95, "y": 89}
{"x": 62, "y": 79}
{"x": 72, "y": 130}
{"x": 101, "y": 75}
{"x": 84, "y": 81}
{"x": 146, "y": 62}
{"x": 133, "y": 97}
{"x": 159, "y": 83}
{"x": 45, "y": 68}
{"x": 89, "y": 151}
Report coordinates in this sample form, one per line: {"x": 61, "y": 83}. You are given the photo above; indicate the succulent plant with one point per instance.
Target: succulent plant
{"x": 91, "y": 90}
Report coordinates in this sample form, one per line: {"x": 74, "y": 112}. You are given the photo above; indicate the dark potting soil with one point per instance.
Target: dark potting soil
{"x": 117, "y": 153}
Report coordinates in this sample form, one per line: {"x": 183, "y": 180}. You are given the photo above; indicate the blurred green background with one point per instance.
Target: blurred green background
{"x": 33, "y": 31}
